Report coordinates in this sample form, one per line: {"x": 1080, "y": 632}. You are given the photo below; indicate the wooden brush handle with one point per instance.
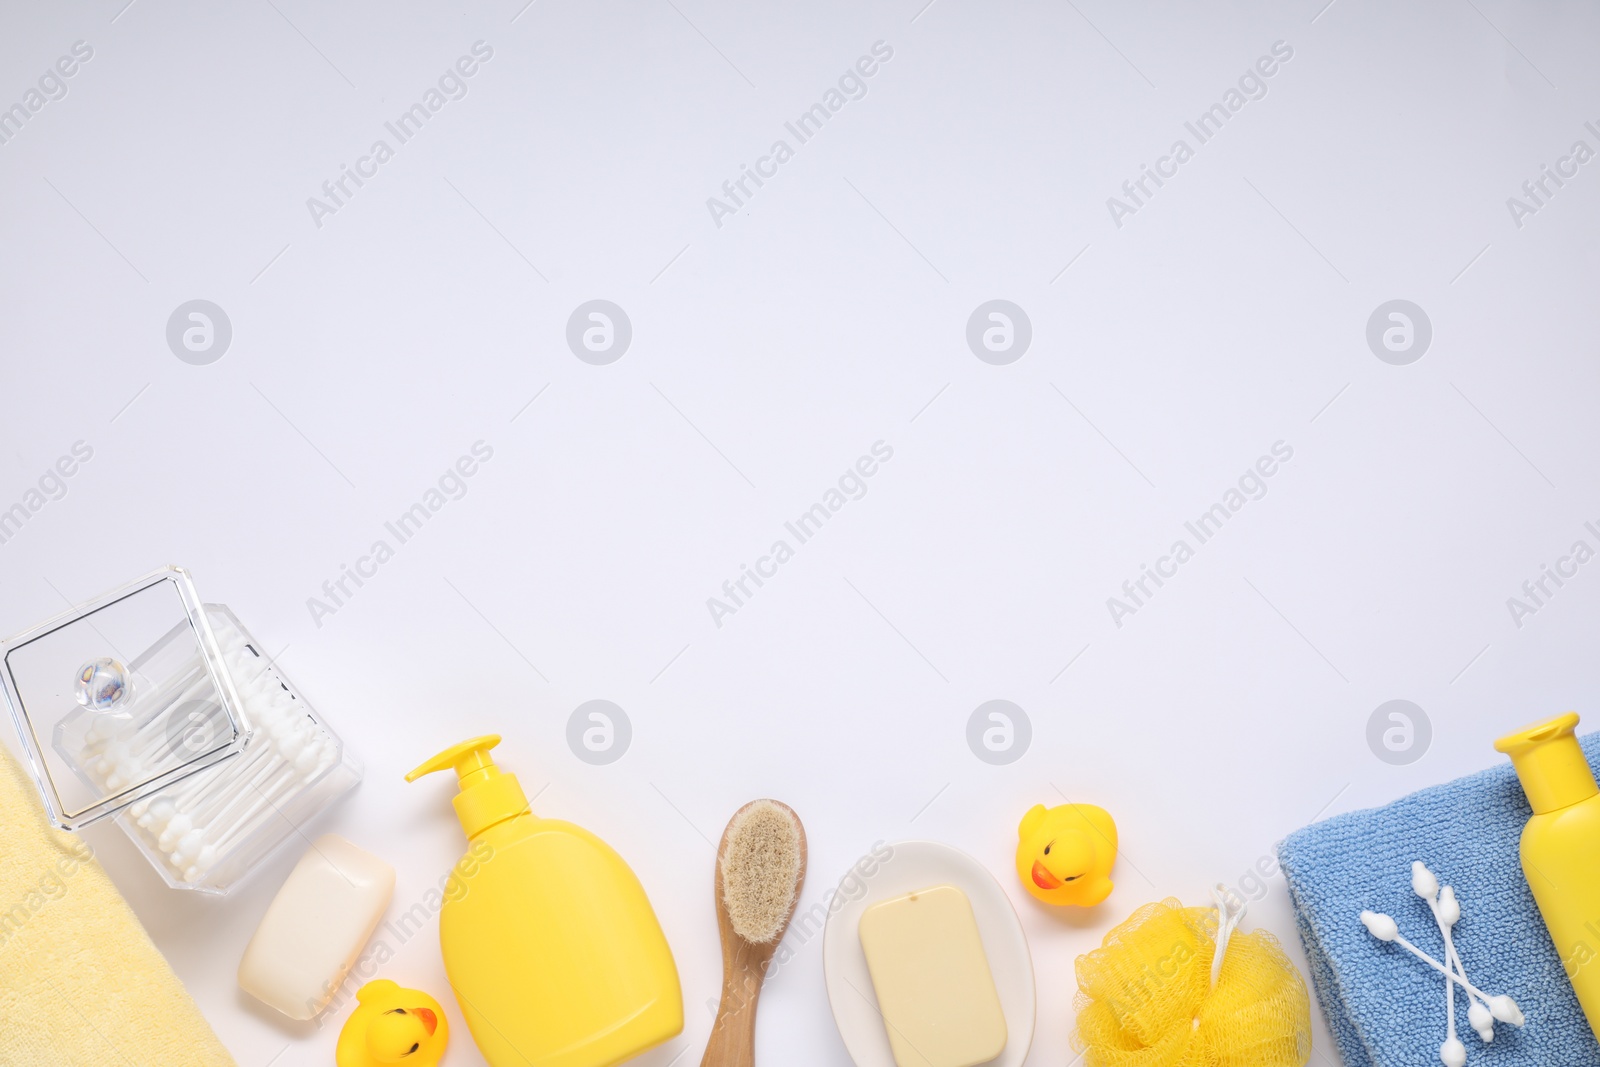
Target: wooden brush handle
{"x": 733, "y": 1035}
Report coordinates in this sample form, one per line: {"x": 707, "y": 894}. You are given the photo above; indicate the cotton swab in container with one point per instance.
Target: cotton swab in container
{"x": 151, "y": 708}
{"x": 202, "y": 818}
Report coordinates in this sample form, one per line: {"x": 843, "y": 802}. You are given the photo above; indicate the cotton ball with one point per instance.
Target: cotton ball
{"x": 306, "y": 762}
{"x": 180, "y": 825}
{"x": 159, "y": 813}
{"x": 1449, "y": 906}
{"x": 1380, "y": 926}
{"x": 1423, "y": 881}
{"x": 1505, "y": 1009}
{"x": 190, "y": 846}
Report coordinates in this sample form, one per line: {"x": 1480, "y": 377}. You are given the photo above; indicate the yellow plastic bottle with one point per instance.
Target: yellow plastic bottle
{"x": 549, "y": 941}
{"x": 1561, "y": 847}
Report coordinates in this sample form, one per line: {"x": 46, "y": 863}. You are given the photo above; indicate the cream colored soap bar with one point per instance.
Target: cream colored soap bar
{"x": 316, "y": 927}
{"x": 932, "y": 979}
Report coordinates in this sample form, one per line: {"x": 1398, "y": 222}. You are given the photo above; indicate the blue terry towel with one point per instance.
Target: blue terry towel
{"x": 1385, "y": 1007}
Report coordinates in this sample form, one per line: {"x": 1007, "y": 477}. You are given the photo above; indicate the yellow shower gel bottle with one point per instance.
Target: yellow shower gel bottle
{"x": 550, "y": 944}
{"x": 1561, "y": 847}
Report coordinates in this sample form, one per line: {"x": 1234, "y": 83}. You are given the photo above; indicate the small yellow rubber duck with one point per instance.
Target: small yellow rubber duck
{"x": 1066, "y": 852}
{"x": 392, "y": 1025}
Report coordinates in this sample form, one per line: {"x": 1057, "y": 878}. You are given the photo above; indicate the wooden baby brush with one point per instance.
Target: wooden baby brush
{"x": 761, "y": 864}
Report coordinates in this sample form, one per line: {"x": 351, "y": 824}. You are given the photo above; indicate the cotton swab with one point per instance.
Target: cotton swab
{"x": 1452, "y": 1053}
{"x": 1384, "y": 928}
{"x": 1503, "y": 1008}
{"x": 202, "y": 819}
{"x": 1447, "y": 912}
{"x": 1483, "y": 1010}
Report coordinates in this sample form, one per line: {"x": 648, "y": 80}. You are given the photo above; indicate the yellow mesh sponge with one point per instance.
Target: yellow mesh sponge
{"x": 1145, "y": 996}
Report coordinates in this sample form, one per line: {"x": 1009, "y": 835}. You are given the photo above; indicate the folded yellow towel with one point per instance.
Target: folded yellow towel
{"x": 80, "y": 983}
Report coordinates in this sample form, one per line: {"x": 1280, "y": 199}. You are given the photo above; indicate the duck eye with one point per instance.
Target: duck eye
{"x": 413, "y": 1048}
{"x": 399, "y": 1011}
{"x": 1047, "y": 848}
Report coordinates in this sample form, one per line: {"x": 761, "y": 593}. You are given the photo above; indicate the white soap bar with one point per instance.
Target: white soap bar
{"x": 316, "y": 927}
{"x": 932, "y": 978}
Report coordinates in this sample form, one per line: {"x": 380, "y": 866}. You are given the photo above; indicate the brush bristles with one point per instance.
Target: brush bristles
{"x": 761, "y": 870}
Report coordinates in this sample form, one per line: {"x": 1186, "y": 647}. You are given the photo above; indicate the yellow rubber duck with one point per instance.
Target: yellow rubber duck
{"x": 392, "y": 1025}
{"x": 1066, "y": 852}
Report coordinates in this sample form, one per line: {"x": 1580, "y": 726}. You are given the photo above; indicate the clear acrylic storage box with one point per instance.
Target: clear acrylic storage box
{"x": 160, "y": 712}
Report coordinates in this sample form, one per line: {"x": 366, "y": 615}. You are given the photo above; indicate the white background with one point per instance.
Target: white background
{"x": 769, "y": 353}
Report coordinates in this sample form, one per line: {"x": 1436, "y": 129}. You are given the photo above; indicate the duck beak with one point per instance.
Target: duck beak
{"x": 430, "y": 1021}
{"x": 1043, "y": 878}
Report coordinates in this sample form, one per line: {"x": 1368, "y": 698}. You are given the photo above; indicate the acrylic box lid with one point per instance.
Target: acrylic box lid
{"x": 116, "y": 699}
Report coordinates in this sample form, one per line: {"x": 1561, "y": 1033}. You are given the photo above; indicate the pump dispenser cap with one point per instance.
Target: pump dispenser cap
{"x": 1551, "y": 764}
{"x": 488, "y": 794}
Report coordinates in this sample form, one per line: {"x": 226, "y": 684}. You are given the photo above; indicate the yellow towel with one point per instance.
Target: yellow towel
{"x": 80, "y": 983}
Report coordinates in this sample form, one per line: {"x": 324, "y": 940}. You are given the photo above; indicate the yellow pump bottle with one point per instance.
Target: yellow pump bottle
{"x": 551, "y": 946}
{"x": 1561, "y": 847}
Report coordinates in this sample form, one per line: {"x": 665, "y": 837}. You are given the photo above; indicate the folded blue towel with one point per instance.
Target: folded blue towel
{"x": 1385, "y": 1007}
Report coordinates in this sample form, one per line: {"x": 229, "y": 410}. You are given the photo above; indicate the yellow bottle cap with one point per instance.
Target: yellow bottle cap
{"x": 1551, "y": 764}
{"x": 488, "y": 794}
